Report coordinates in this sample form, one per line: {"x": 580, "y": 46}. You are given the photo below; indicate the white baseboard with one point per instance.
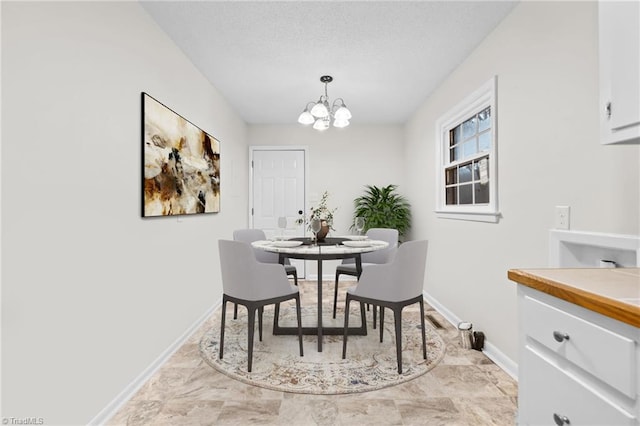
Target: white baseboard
{"x": 501, "y": 360}
{"x": 505, "y": 363}
{"x": 127, "y": 393}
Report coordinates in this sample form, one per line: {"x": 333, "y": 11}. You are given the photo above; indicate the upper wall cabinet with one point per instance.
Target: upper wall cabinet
{"x": 619, "y": 40}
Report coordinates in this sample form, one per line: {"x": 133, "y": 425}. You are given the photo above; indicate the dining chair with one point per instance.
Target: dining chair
{"x": 252, "y": 284}
{"x": 250, "y": 235}
{"x": 348, "y": 266}
{"x": 392, "y": 285}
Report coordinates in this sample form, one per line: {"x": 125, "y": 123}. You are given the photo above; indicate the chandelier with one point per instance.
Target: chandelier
{"x": 320, "y": 114}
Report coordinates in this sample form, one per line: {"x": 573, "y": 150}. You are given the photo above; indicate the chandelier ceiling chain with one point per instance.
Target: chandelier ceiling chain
{"x": 320, "y": 114}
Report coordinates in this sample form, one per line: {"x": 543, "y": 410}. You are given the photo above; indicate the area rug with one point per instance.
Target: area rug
{"x": 277, "y": 364}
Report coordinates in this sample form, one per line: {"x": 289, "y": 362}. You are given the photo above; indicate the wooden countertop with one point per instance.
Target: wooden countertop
{"x": 613, "y": 292}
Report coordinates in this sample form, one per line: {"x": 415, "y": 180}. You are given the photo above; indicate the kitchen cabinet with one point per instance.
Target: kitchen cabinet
{"x": 579, "y": 346}
{"x": 619, "y": 60}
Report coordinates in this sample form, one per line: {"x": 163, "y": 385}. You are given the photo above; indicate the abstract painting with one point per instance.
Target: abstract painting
{"x": 180, "y": 164}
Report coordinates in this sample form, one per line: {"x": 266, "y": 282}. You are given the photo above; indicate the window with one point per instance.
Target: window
{"x": 466, "y": 158}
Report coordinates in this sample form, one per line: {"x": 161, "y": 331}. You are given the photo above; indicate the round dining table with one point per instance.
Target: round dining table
{"x": 330, "y": 249}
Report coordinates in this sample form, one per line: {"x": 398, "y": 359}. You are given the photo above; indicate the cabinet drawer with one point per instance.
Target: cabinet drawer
{"x": 545, "y": 390}
{"x": 608, "y": 356}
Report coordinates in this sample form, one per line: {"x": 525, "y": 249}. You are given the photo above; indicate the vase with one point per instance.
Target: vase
{"x": 324, "y": 230}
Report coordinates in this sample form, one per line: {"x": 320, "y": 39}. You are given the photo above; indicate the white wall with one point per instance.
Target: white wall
{"x": 545, "y": 56}
{"x": 92, "y": 293}
{"x": 341, "y": 161}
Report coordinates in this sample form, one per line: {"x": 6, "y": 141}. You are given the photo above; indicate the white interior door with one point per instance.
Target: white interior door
{"x": 278, "y": 179}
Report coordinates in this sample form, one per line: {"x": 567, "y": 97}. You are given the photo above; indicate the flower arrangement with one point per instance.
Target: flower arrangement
{"x": 321, "y": 212}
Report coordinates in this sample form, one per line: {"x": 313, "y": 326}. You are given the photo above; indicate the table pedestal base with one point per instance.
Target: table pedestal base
{"x": 320, "y": 331}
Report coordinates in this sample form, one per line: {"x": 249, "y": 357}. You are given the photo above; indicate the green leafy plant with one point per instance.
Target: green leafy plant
{"x": 383, "y": 208}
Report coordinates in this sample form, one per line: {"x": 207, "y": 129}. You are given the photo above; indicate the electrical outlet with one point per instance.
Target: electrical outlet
{"x": 562, "y": 217}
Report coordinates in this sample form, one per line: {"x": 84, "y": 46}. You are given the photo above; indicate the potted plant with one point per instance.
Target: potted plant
{"x": 383, "y": 208}
{"x": 324, "y": 214}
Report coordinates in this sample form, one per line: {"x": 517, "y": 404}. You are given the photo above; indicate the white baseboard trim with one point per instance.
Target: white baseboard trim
{"x": 127, "y": 393}
{"x": 498, "y": 357}
{"x": 506, "y": 364}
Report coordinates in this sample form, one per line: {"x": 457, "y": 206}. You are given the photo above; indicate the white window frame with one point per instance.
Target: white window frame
{"x": 483, "y": 97}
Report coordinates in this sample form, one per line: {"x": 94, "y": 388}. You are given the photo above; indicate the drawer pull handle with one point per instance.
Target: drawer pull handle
{"x": 561, "y": 420}
{"x": 560, "y": 337}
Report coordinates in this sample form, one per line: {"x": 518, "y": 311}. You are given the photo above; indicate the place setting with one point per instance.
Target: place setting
{"x": 315, "y": 226}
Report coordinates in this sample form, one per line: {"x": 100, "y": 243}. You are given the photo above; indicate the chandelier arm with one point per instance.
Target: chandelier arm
{"x": 336, "y": 104}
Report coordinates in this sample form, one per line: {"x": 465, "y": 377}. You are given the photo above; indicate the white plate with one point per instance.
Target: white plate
{"x": 287, "y": 243}
{"x": 356, "y": 243}
{"x": 357, "y": 237}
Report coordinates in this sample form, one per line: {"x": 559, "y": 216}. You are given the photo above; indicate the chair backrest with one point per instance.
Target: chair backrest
{"x": 386, "y": 254}
{"x": 383, "y": 255}
{"x": 400, "y": 279}
{"x": 251, "y": 235}
{"x": 246, "y": 278}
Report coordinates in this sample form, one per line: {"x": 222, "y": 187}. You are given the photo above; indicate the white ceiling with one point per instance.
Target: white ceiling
{"x": 266, "y": 57}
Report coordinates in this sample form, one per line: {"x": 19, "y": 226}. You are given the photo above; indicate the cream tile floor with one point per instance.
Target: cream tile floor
{"x": 466, "y": 388}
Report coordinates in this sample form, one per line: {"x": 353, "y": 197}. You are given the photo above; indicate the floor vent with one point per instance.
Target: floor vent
{"x": 433, "y": 321}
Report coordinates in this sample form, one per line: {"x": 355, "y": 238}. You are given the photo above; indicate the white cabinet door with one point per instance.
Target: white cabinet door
{"x": 549, "y": 395}
{"x": 619, "y": 40}
{"x": 601, "y": 352}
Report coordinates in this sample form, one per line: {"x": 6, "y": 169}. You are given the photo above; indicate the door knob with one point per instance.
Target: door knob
{"x": 561, "y": 420}
{"x": 560, "y": 336}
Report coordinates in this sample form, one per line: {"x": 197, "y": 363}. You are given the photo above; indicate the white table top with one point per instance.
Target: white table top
{"x": 328, "y": 249}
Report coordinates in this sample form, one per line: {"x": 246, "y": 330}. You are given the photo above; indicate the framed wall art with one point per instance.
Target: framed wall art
{"x": 180, "y": 164}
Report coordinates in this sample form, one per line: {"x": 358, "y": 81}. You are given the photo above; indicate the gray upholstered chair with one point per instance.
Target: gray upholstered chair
{"x": 392, "y": 285}
{"x": 252, "y": 284}
{"x": 251, "y": 235}
{"x": 348, "y": 266}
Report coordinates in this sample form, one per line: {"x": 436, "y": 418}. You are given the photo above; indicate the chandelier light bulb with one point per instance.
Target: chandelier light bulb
{"x": 306, "y": 118}
{"x": 321, "y": 124}
{"x": 321, "y": 115}
{"x": 340, "y": 123}
{"x": 342, "y": 113}
{"x": 320, "y": 110}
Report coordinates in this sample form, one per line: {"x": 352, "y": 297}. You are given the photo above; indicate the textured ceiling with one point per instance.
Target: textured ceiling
{"x": 266, "y": 57}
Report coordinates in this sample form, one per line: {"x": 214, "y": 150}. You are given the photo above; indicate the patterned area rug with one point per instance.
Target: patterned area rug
{"x": 277, "y": 365}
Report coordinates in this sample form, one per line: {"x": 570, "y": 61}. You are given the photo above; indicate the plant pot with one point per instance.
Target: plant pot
{"x": 324, "y": 230}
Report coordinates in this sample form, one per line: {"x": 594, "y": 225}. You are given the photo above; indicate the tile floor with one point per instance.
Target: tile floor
{"x": 466, "y": 388}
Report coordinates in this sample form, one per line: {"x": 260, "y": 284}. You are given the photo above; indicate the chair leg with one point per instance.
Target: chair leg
{"x": 260, "y": 311}
{"x": 363, "y": 318}
{"x": 224, "y": 312}
{"x": 424, "y": 337}
{"x": 295, "y": 277}
{"x": 276, "y": 315}
{"x": 235, "y": 311}
{"x": 335, "y": 295}
{"x": 397, "y": 317}
{"x": 381, "y": 322}
{"x": 346, "y": 324}
{"x": 299, "y": 314}
{"x": 252, "y": 323}
{"x": 375, "y": 308}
